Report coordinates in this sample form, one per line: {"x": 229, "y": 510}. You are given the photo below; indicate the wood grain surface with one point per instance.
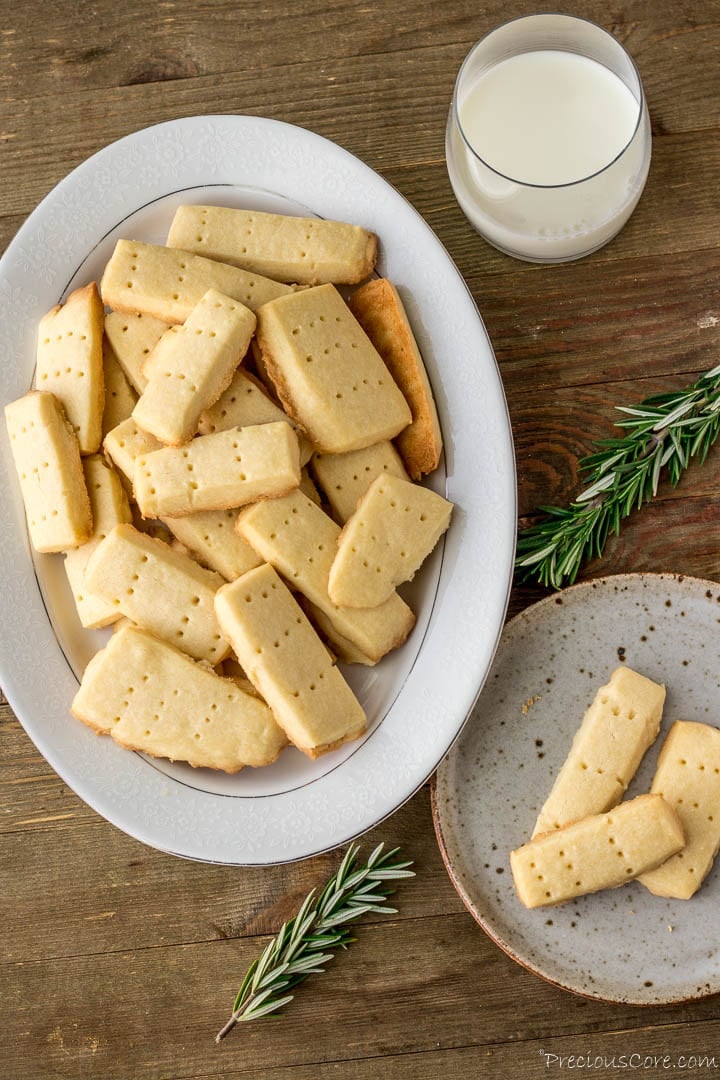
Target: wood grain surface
{"x": 120, "y": 962}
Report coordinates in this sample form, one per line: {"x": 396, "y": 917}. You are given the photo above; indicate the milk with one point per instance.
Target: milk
{"x": 548, "y": 152}
{"x": 548, "y": 117}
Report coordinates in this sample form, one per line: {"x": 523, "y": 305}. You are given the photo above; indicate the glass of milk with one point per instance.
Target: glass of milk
{"x": 548, "y": 139}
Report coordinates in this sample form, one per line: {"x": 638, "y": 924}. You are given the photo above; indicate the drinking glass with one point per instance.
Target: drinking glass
{"x": 539, "y": 208}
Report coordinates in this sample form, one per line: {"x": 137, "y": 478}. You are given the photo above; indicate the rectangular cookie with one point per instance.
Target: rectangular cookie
{"x": 620, "y": 725}
{"x": 232, "y": 669}
{"x": 299, "y": 540}
{"x": 345, "y": 651}
{"x": 217, "y": 472}
{"x": 192, "y": 365}
{"x": 326, "y": 373}
{"x": 688, "y": 777}
{"x": 153, "y": 698}
{"x": 344, "y": 478}
{"x": 124, "y": 444}
{"x": 70, "y": 362}
{"x": 167, "y": 283}
{"x": 120, "y": 397}
{"x": 394, "y": 528}
{"x": 47, "y": 458}
{"x": 379, "y": 310}
{"x": 133, "y": 336}
{"x": 243, "y": 404}
{"x": 306, "y": 250}
{"x": 110, "y": 507}
{"x": 598, "y": 852}
{"x": 160, "y": 590}
{"x": 287, "y": 663}
{"x": 212, "y": 539}
{"x": 307, "y": 486}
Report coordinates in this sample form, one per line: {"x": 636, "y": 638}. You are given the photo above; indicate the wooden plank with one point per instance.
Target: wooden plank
{"x": 678, "y": 210}
{"x": 47, "y": 51}
{"x": 649, "y": 1052}
{"x": 100, "y": 872}
{"x": 391, "y": 123}
{"x": 580, "y": 324}
{"x": 582, "y": 335}
{"x": 323, "y": 98}
{"x": 678, "y": 536}
{"x": 673, "y": 536}
{"x": 9, "y": 226}
{"x": 553, "y": 429}
{"x": 132, "y": 45}
{"x": 119, "y": 961}
{"x": 402, "y": 988}
{"x": 30, "y": 792}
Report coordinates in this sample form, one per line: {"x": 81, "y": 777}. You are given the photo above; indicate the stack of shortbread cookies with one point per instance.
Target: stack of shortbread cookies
{"x": 586, "y": 839}
{"x": 228, "y": 453}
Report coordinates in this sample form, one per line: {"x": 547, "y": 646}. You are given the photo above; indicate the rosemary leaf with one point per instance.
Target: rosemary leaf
{"x": 271, "y": 1007}
{"x": 295, "y": 952}
{"x": 662, "y": 434}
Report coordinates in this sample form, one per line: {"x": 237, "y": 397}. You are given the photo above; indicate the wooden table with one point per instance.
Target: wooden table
{"x": 121, "y": 963}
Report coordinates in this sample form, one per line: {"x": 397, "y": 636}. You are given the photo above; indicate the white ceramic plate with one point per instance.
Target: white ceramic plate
{"x": 625, "y": 944}
{"x": 418, "y": 698}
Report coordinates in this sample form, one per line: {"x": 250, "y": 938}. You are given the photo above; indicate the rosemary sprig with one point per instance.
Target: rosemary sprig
{"x": 300, "y": 947}
{"x": 663, "y": 432}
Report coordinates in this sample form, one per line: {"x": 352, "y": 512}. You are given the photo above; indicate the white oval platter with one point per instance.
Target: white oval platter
{"x": 418, "y": 698}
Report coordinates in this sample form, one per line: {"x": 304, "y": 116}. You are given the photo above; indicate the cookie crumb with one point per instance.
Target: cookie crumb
{"x": 527, "y": 705}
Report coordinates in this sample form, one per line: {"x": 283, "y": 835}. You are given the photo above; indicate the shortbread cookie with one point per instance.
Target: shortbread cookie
{"x": 344, "y": 478}
{"x": 299, "y": 540}
{"x": 109, "y": 508}
{"x": 211, "y": 538}
{"x": 342, "y": 647}
{"x": 307, "y": 250}
{"x": 379, "y": 310}
{"x": 285, "y": 659}
{"x": 124, "y": 444}
{"x": 120, "y": 397}
{"x": 307, "y": 486}
{"x": 258, "y": 367}
{"x": 70, "y": 362}
{"x": 177, "y": 546}
{"x": 167, "y": 283}
{"x": 133, "y": 336}
{"x": 392, "y": 532}
{"x": 47, "y": 458}
{"x": 217, "y": 472}
{"x": 195, "y": 363}
{"x": 244, "y": 404}
{"x": 160, "y": 590}
{"x": 153, "y": 528}
{"x": 151, "y": 697}
{"x": 233, "y": 669}
{"x": 620, "y": 725}
{"x": 597, "y": 852}
{"x": 165, "y": 349}
{"x": 688, "y": 777}
{"x": 326, "y": 372}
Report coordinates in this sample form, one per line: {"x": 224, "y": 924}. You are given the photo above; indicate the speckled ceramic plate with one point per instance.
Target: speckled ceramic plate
{"x": 623, "y": 945}
{"x": 418, "y": 698}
